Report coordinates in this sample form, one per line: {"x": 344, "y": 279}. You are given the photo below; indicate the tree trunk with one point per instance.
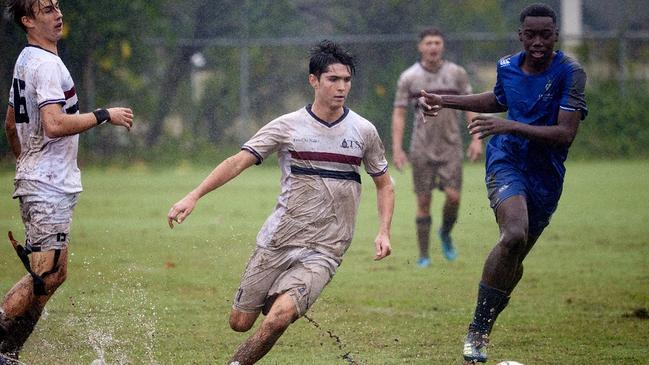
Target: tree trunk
{"x": 177, "y": 69}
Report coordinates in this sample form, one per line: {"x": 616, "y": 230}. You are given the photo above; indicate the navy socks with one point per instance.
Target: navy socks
{"x": 491, "y": 302}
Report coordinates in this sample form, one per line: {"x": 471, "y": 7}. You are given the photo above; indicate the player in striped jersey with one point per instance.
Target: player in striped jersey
{"x": 436, "y": 144}
{"x": 42, "y": 126}
{"x": 320, "y": 148}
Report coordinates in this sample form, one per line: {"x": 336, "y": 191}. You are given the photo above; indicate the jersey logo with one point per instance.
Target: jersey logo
{"x": 305, "y": 140}
{"x": 548, "y": 85}
{"x": 351, "y": 144}
{"x": 504, "y": 61}
{"x": 547, "y": 92}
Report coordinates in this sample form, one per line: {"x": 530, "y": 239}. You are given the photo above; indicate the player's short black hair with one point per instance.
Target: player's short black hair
{"x": 327, "y": 53}
{"x": 17, "y": 9}
{"x": 538, "y": 9}
{"x": 431, "y": 31}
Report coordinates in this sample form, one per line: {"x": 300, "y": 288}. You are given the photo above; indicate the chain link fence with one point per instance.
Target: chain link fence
{"x": 271, "y": 75}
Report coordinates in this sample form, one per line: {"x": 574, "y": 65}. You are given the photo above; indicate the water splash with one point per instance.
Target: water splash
{"x": 112, "y": 337}
{"x": 346, "y": 355}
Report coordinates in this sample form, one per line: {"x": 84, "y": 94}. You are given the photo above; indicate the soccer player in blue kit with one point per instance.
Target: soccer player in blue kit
{"x": 542, "y": 91}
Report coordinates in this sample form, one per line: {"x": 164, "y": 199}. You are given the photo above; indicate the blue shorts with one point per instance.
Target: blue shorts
{"x": 542, "y": 195}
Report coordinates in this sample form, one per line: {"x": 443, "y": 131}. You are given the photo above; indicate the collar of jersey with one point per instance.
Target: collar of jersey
{"x": 421, "y": 64}
{"x": 558, "y": 57}
{"x": 39, "y": 47}
{"x": 327, "y": 124}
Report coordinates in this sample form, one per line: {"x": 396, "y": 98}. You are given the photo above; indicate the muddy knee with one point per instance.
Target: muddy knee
{"x": 55, "y": 280}
{"x": 241, "y": 321}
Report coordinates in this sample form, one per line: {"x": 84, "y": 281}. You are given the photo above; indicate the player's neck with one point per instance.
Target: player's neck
{"x": 533, "y": 68}
{"x": 42, "y": 43}
{"x": 431, "y": 66}
{"x": 327, "y": 113}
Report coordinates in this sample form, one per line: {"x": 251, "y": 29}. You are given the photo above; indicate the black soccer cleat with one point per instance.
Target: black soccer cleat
{"x": 475, "y": 347}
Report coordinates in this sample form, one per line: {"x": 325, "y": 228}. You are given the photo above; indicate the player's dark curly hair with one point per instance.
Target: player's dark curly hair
{"x": 431, "y": 31}
{"x": 538, "y": 9}
{"x": 327, "y": 53}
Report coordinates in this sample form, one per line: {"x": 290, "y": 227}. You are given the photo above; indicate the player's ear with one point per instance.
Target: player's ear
{"x": 313, "y": 80}
{"x": 27, "y": 21}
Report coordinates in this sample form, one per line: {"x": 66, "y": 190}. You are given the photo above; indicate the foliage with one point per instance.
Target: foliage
{"x": 616, "y": 123}
{"x": 138, "y": 53}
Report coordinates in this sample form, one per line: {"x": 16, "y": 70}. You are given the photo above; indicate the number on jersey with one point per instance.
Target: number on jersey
{"x": 20, "y": 104}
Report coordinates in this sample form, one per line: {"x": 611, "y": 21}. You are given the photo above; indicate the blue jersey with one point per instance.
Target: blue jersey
{"x": 536, "y": 100}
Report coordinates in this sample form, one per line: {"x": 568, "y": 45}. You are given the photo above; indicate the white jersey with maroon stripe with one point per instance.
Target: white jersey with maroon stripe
{"x": 321, "y": 181}
{"x": 440, "y": 138}
{"x": 40, "y": 78}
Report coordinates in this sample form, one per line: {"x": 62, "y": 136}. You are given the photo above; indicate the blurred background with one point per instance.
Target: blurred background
{"x": 203, "y": 75}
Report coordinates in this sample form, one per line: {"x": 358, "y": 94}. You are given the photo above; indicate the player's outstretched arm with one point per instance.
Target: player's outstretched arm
{"x": 12, "y": 132}
{"x": 385, "y": 205}
{"x": 561, "y": 134}
{"x": 431, "y": 104}
{"x": 224, "y": 172}
{"x": 56, "y": 123}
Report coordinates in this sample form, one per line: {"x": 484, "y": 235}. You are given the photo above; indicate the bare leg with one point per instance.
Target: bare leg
{"x": 22, "y": 308}
{"x": 504, "y": 265}
{"x": 242, "y": 321}
{"x": 502, "y": 271}
{"x": 281, "y": 315}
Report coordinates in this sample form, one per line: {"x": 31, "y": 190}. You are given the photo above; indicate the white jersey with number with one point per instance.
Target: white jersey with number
{"x": 320, "y": 183}
{"x": 48, "y": 164}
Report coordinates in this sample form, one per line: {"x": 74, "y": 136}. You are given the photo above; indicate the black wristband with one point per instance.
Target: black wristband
{"x": 102, "y": 115}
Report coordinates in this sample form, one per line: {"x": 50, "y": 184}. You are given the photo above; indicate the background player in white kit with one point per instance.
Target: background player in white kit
{"x": 42, "y": 126}
{"x": 436, "y": 146}
{"x": 299, "y": 248}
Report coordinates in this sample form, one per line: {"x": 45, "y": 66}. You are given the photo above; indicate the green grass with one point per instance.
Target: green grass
{"x": 140, "y": 293}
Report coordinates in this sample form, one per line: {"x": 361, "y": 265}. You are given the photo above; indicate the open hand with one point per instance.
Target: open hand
{"x": 121, "y": 117}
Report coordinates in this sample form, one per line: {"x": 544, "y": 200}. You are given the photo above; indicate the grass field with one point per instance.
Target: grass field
{"x": 140, "y": 293}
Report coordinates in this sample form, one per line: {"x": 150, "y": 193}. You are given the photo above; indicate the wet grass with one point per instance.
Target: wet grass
{"x": 139, "y": 293}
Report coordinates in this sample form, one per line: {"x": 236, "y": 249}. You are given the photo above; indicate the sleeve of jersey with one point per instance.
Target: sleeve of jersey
{"x": 401, "y": 97}
{"x": 374, "y": 157}
{"x": 266, "y": 141}
{"x": 573, "y": 97}
{"x": 499, "y": 90}
{"x": 48, "y": 84}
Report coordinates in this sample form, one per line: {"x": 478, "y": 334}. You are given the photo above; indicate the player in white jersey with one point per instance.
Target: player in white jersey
{"x": 320, "y": 148}
{"x": 436, "y": 144}
{"x": 42, "y": 126}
